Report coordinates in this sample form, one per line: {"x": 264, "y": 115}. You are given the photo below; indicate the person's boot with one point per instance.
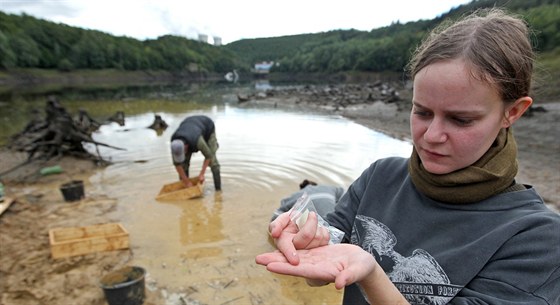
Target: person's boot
{"x": 217, "y": 178}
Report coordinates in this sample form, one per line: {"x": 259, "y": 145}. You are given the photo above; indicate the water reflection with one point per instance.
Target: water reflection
{"x": 262, "y": 85}
{"x": 201, "y": 224}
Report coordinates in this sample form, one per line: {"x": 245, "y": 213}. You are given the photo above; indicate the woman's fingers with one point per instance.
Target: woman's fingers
{"x": 288, "y": 238}
{"x": 306, "y": 233}
{"x": 311, "y": 234}
{"x": 267, "y": 258}
{"x": 276, "y": 227}
{"x": 322, "y": 237}
{"x": 282, "y": 231}
{"x": 285, "y": 245}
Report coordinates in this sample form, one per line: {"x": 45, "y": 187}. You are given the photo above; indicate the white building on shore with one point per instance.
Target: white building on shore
{"x": 217, "y": 41}
{"x": 203, "y": 38}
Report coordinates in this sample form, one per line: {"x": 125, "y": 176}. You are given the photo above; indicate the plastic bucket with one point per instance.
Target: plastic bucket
{"x": 124, "y": 286}
{"x": 73, "y": 190}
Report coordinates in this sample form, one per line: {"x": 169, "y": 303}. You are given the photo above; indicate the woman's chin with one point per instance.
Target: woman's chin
{"x": 437, "y": 169}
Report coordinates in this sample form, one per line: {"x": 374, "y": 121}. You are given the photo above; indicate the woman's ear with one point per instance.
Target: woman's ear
{"x": 516, "y": 110}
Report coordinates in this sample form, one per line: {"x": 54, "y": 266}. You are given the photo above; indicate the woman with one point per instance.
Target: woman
{"x": 450, "y": 224}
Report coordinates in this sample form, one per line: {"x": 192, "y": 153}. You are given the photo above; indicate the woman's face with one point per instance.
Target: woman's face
{"x": 454, "y": 118}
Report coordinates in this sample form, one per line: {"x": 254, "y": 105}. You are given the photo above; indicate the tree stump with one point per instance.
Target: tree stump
{"x": 56, "y": 135}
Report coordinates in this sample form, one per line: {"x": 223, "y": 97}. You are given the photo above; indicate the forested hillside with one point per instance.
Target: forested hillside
{"x": 386, "y": 48}
{"x": 28, "y": 42}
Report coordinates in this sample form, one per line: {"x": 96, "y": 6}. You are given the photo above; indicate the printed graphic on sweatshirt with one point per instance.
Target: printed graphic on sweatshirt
{"x": 418, "y": 277}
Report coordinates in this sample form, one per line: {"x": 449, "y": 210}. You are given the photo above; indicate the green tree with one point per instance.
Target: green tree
{"x": 26, "y": 51}
{"x": 7, "y": 57}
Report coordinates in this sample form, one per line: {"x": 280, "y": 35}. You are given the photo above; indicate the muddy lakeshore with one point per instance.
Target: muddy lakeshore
{"x": 28, "y": 274}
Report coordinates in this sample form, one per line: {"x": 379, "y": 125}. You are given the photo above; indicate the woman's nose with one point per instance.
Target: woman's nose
{"x": 435, "y": 133}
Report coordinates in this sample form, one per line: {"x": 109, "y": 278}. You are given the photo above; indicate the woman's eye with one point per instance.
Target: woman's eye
{"x": 421, "y": 113}
{"x": 462, "y": 121}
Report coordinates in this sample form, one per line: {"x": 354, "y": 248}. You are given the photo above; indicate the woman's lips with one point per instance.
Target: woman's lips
{"x": 432, "y": 154}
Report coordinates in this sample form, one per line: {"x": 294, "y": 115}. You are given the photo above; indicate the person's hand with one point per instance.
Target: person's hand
{"x": 201, "y": 178}
{"x": 288, "y": 237}
{"x": 187, "y": 182}
{"x": 342, "y": 264}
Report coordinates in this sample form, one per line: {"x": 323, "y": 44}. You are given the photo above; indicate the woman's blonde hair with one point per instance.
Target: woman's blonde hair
{"x": 495, "y": 44}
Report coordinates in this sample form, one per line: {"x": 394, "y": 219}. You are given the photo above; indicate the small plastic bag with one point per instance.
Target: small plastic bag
{"x": 300, "y": 211}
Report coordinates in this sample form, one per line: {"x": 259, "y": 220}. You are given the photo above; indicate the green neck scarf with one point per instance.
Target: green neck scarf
{"x": 493, "y": 173}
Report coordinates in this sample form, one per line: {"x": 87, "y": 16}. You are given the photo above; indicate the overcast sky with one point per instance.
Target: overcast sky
{"x": 227, "y": 19}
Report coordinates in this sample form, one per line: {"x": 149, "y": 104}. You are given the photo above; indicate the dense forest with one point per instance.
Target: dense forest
{"x": 386, "y": 48}
{"x": 28, "y": 42}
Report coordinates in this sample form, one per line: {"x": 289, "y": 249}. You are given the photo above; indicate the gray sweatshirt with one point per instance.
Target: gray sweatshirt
{"x": 502, "y": 250}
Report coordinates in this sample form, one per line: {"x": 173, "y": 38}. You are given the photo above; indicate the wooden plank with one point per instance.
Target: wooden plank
{"x": 74, "y": 241}
{"x": 86, "y": 232}
{"x": 5, "y": 204}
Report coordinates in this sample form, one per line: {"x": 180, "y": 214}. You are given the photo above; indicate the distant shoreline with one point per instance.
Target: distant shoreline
{"x": 32, "y": 76}
{"x": 21, "y": 77}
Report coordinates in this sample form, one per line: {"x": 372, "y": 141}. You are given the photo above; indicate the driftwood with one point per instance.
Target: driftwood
{"x": 57, "y": 134}
{"x": 118, "y": 118}
{"x": 244, "y": 98}
{"x": 86, "y": 123}
{"x": 158, "y": 124}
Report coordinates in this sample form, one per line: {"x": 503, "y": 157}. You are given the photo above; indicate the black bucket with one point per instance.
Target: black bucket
{"x": 73, "y": 190}
{"x": 124, "y": 286}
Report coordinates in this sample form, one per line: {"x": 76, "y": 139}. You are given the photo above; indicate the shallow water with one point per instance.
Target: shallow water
{"x": 205, "y": 247}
